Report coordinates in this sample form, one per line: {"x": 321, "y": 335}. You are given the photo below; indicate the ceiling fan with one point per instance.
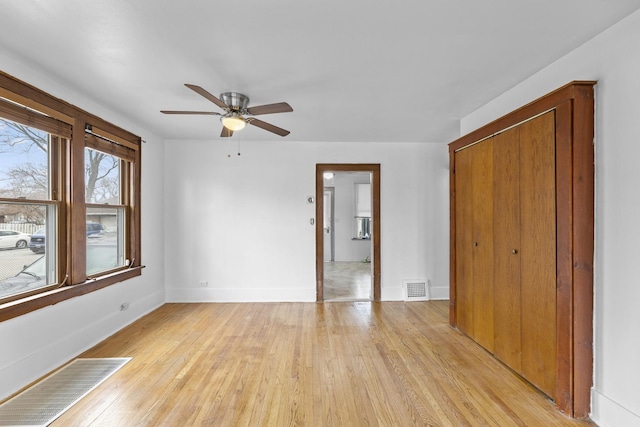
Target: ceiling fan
{"x": 235, "y": 106}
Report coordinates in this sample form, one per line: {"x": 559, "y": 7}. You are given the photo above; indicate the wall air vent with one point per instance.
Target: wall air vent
{"x": 415, "y": 290}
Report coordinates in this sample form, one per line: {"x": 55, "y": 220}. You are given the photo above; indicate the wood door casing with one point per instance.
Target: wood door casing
{"x": 376, "y": 267}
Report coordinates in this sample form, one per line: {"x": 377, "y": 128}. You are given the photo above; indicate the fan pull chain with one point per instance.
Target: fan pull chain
{"x": 237, "y": 139}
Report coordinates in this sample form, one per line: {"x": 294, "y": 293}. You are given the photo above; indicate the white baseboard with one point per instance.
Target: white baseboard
{"x": 392, "y": 294}
{"x": 438, "y": 293}
{"x": 212, "y": 294}
{"x": 609, "y": 413}
{"x": 240, "y": 295}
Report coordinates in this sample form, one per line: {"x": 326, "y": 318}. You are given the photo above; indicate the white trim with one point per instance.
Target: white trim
{"x": 212, "y": 294}
{"x": 606, "y": 412}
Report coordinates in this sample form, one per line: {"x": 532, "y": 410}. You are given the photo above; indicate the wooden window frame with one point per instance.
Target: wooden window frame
{"x": 37, "y": 108}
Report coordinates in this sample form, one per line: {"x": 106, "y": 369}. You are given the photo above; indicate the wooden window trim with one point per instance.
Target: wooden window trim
{"x": 32, "y": 118}
{"x": 95, "y": 143}
{"x": 61, "y": 118}
{"x": 29, "y": 96}
{"x": 35, "y": 302}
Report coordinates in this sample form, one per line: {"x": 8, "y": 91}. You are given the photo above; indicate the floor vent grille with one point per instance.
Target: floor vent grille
{"x": 42, "y": 403}
{"x": 415, "y": 290}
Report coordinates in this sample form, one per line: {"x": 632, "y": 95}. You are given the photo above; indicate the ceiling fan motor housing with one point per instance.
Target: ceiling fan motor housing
{"x": 236, "y": 101}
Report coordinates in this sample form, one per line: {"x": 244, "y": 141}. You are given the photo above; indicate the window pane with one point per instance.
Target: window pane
{"x": 24, "y": 162}
{"x": 25, "y": 264}
{"x": 105, "y": 239}
{"x": 102, "y": 177}
{"x": 363, "y": 228}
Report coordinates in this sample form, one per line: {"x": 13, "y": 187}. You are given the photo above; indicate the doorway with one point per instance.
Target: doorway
{"x": 365, "y": 229}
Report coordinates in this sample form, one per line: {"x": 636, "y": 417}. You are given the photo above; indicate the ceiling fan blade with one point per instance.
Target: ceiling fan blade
{"x": 226, "y": 133}
{"x": 269, "y": 127}
{"x": 207, "y": 113}
{"x": 280, "y": 107}
{"x": 200, "y": 91}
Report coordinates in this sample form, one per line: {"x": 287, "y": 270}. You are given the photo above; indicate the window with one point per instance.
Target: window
{"x": 69, "y": 200}
{"x": 106, "y": 212}
{"x": 363, "y": 211}
{"x": 27, "y": 189}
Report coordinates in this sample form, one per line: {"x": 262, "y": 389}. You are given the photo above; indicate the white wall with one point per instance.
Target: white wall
{"x": 347, "y": 249}
{"x": 242, "y": 223}
{"x": 34, "y": 344}
{"x": 613, "y": 59}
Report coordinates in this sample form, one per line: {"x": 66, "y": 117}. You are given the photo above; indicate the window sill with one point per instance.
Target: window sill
{"x": 26, "y": 305}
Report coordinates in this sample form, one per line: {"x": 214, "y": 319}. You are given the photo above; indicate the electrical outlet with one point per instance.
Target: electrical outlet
{"x": 124, "y": 306}
{"x": 204, "y": 284}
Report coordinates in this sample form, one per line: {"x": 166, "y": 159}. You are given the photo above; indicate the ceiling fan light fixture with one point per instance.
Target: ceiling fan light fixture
{"x": 233, "y": 121}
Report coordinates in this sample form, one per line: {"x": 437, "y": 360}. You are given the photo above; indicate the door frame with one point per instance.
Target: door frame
{"x": 374, "y": 169}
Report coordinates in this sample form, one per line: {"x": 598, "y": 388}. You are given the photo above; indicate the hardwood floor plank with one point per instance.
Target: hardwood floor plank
{"x": 306, "y": 364}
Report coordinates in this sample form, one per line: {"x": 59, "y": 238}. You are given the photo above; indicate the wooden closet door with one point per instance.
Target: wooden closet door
{"x": 506, "y": 212}
{"x": 464, "y": 240}
{"x": 543, "y": 329}
{"x": 483, "y": 299}
{"x": 538, "y": 251}
{"x": 474, "y": 243}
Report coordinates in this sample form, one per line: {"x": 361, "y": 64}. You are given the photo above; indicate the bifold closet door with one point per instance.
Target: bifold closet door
{"x": 525, "y": 250}
{"x": 538, "y": 251}
{"x": 474, "y": 243}
{"x": 507, "y": 249}
{"x": 522, "y": 239}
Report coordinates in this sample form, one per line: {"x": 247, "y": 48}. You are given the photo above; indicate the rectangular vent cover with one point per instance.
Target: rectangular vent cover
{"x": 415, "y": 290}
{"x": 45, "y": 401}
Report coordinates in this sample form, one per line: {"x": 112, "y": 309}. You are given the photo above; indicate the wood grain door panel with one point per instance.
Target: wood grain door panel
{"x": 464, "y": 242}
{"x": 506, "y": 213}
{"x": 482, "y": 246}
{"x": 538, "y": 241}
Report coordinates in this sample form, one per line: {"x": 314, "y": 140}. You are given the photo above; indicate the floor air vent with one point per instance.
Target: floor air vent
{"x": 45, "y": 401}
{"x": 415, "y": 290}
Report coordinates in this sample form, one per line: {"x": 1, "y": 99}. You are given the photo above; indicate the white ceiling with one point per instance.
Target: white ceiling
{"x": 353, "y": 70}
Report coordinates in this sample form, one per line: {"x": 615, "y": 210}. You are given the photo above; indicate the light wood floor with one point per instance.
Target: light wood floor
{"x": 283, "y": 364}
